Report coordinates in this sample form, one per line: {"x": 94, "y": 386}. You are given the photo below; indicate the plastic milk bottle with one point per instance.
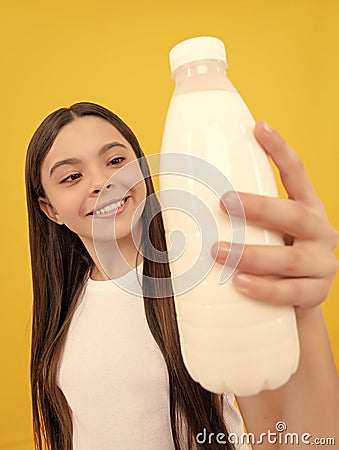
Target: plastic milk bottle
{"x": 229, "y": 342}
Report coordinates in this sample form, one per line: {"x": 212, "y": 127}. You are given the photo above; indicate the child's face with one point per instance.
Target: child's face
{"x": 73, "y": 189}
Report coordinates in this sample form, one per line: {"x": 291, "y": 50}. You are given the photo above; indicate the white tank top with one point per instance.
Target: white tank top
{"x": 114, "y": 376}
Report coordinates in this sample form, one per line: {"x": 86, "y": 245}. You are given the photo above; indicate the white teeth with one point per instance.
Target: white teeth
{"x": 108, "y": 208}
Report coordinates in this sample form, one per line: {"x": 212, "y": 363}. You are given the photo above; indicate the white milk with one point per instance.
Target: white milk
{"x": 229, "y": 342}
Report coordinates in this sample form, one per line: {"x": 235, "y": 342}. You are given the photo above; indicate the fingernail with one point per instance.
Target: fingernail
{"x": 244, "y": 282}
{"x": 232, "y": 203}
{"x": 267, "y": 128}
{"x": 220, "y": 250}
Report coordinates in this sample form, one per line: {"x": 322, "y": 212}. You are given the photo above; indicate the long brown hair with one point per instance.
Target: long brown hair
{"x": 60, "y": 267}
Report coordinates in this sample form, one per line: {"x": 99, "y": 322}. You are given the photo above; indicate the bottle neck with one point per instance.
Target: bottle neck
{"x": 203, "y": 75}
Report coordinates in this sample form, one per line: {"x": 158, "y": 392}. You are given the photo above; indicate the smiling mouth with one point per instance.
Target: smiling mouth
{"x": 109, "y": 208}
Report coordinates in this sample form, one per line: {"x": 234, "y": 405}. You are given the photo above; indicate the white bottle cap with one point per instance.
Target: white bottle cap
{"x": 194, "y": 49}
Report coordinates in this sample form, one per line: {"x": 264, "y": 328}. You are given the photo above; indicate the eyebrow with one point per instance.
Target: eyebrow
{"x": 73, "y": 161}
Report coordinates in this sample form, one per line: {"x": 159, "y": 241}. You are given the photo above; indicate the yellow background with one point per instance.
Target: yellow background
{"x": 283, "y": 58}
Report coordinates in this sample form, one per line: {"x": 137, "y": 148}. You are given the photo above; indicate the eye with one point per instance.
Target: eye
{"x": 70, "y": 176}
{"x": 115, "y": 160}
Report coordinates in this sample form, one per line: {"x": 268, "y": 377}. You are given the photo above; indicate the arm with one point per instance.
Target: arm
{"x": 304, "y": 270}
{"x": 312, "y": 396}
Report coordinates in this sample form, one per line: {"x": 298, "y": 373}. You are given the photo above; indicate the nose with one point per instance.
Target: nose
{"x": 97, "y": 190}
{"x": 100, "y": 184}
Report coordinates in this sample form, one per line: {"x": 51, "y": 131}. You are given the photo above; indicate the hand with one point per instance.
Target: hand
{"x": 306, "y": 265}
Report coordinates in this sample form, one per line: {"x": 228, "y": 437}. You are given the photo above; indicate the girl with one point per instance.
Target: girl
{"x": 101, "y": 378}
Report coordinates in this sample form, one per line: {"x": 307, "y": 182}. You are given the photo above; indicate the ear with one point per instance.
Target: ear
{"x": 48, "y": 209}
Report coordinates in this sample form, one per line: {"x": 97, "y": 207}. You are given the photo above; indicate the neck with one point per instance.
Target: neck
{"x": 113, "y": 259}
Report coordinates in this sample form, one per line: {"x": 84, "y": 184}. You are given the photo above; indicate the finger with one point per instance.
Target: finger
{"x": 279, "y": 260}
{"x": 291, "y": 168}
{"x": 301, "y": 292}
{"x": 284, "y": 215}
